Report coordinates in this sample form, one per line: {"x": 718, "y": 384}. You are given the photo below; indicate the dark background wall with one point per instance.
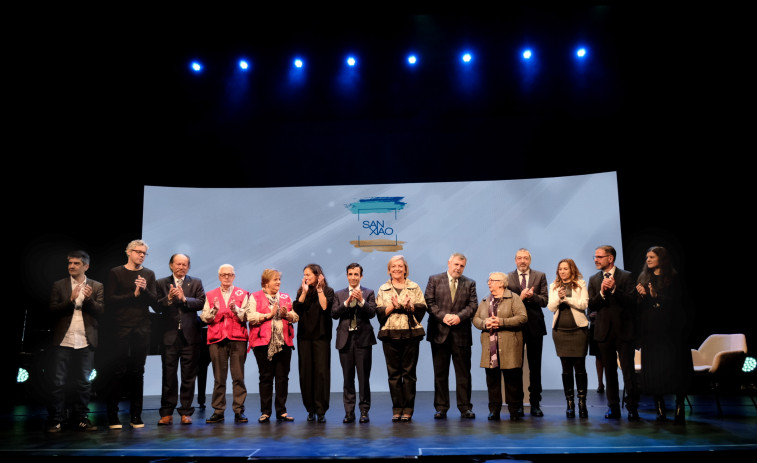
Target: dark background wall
{"x": 102, "y": 103}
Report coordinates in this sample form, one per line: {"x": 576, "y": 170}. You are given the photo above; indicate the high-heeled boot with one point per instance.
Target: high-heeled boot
{"x": 659, "y": 405}
{"x": 680, "y": 417}
{"x": 582, "y": 384}
{"x": 567, "y": 385}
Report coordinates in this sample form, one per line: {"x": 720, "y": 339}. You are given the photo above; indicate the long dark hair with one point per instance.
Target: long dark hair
{"x": 663, "y": 263}
{"x": 317, "y": 270}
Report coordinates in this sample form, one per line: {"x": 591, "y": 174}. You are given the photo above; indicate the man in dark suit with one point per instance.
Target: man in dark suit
{"x": 611, "y": 297}
{"x": 180, "y": 297}
{"x": 354, "y": 307}
{"x": 531, "y": 285}
{"x": 76, "y": 304}
{"x": 452, "y": 302}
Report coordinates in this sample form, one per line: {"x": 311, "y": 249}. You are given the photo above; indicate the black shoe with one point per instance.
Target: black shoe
{"x": 284, "y": 417}
{"x": 53, "y": 426}
{"x": 613, "y": 413}
{"x": 493, "y": 416}
{"x": 535, "y": 410}
{"x": 311, "y": 416}
{"x": 633, "y": 415}
{"x": 520, "y": 412}
{"x": 406, "y": 418}
{"x": 395, "y": 418}
{"x": 85, "y": 425}
{"x": 136, "y": 422}
{"x": 215, "y": 418}
{"x": 349, "y": 418}
{"x": 321, "y": 418}
{"x": 201, "y": 407}
{"x": 240, "y": 418}
{"x": 440, "y": 415}
{"x": 515, "y": 417}
{"x": 468, "y": 414}
{"x": 113, "y": 421}
{"x": 364, "y": 417}
{"x": 601, "y": 389}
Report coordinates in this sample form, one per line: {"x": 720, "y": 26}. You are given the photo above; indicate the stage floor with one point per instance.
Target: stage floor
{"x": 533, "y": 439}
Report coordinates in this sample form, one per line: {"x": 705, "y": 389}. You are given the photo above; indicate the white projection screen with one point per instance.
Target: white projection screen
{"x": 288, "y": 228}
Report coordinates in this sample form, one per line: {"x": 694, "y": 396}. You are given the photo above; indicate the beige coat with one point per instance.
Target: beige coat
{"x": 512, "y": 316}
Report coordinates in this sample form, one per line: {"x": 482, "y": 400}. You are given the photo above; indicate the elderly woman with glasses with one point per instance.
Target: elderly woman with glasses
{"x": 500, "y": 317}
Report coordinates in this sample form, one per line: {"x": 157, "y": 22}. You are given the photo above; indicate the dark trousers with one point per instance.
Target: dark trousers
{"x": 228, "y": 355}
{"x": 274, "y": 370}
{"x": 461, "y": 360}
{"x": 128, "y": 362}
{"x": 77, "y": 364}
{"x": 513, "y": 378}
{"x": 315, "y": 374}
{"x": 401, "y": 362}
{"x": 356, "y": 359}
{"x": 534, "y": 346}
{"x": 611, "y": 349}
{"x": 187, "y": 355}
{"x": 202, "y": 368}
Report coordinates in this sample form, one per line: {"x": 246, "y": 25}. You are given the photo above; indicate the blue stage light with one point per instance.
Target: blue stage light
{"x": 298, "y": 63}
{"x": 22, "y": 376}
{"x": 581, "y": 52}
{"x": 196, "y": 67}
{"x": 527, "y": 54}
{"x": 467, "y": 58}
{"x": 412, "y": 59}
{"x": 93, "y": 375}
{"x": 351, "y": 61}
{"x": 243, "y": 64}
{"x": 749, "y": 365}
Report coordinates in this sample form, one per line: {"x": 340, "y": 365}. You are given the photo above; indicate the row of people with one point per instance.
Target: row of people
{"x": 509, "y": 318}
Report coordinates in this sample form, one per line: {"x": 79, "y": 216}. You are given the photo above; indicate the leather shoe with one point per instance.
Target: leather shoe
{"x": 264, "y": 418}
{"x": 284, "y": 417}
{"x": 515, "y": 417}
{"x": 535, "y": 410}
{"x": 165, "y": 420}
{"x": 186, "y": 419}
{"x": 520, "y": 412}
{"x": 321, "y": 418}
{"x": 612, "y": 413}
{"x": 215, "y": 418}
{"x": 468, "y": 414}
{"x": 349, "y": 418}
{"x": 240, "y": 418}
{"x": 633, "y": 415}
{"x": 311, "y": 416}
{"x": 440, "y": 415}
{"x": 493, "y": 416}
{"x": 364, "y": 417}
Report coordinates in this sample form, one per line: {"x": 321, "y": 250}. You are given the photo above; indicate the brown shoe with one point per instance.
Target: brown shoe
{"x": 186, "y": 419}
{"x": 165, "y": 420}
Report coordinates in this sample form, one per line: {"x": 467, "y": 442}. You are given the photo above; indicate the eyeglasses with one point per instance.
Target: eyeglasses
{"x": 601, "y": 257}
{"x": 491, "y": 279}
{"x": 141, "y": 253}
{"x": 225, "y": 275}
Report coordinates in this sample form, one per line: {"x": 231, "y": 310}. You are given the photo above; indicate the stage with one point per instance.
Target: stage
{"x": 549, "y": 438}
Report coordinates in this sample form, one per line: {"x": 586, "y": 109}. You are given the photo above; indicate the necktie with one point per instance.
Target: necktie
{"x": 179, "y": 282}
{"x": 522, "y": 281}
{"x": 607, "y": 275}
{"x": 453, "y": 287}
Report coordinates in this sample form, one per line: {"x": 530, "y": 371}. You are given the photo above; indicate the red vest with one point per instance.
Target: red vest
{"x": 226, "y": 324}
{"x": 260, "y": 335}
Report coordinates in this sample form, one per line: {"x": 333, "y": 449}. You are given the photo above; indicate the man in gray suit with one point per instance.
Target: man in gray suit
{"x": 354, "y": 307}
{"x": 76, "y": 304}
{"x": 531, "y": 285}
{"x": 452, "y": 302}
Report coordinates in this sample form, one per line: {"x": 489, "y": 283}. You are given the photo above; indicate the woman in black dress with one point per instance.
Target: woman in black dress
{"x": 664, "y": 327}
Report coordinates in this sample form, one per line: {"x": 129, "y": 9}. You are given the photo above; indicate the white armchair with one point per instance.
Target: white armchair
{"x": 721, "y": 358}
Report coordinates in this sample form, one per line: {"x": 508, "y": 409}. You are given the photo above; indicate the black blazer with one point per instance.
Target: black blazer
{"x": 439, "y": 302}
{"x": 616, "y": 312}
{"x": 537, "y": 280}
{"x": 179, "y": 310}
{"x": 62, "y": 310}
{"x": 364, "y": 334}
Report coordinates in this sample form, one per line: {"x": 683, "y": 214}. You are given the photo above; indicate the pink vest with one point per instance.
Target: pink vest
{"x": 261, "y": 335}
{"x": 226, "y": 324}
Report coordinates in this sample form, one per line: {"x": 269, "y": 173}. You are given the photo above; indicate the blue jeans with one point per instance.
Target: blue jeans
{"x": 76, "y": 364}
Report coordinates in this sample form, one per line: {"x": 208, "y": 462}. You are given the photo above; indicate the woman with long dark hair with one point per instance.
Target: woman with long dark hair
{"x": 664, "y": 328}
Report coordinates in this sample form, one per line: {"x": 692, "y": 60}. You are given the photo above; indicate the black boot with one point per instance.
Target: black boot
{"x": 659, "y": 405}
{"x": 680, "y": 409}
{"x": 567, "y": 385}
{"x": 582, "y": 384}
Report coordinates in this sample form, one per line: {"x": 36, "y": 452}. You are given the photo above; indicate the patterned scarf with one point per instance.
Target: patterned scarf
{"x": 277, "y": 327}
{"x": 493, "y": 347}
